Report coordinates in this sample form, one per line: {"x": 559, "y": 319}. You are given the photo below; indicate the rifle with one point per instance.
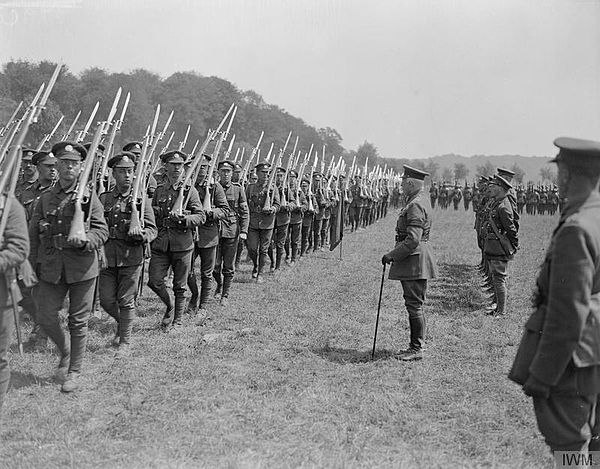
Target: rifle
{"x": 228, "y": 152}
{"x": 82, "y": 133}
{"x": 250, "y": 158}
{"x": 66, "y": 135}
{"x": 49, "y": 136}
{"x": 184, "y": 141}
{"x": 10, "y": 120}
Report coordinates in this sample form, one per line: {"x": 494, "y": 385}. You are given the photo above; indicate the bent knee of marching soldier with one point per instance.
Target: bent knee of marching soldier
{"x": 498, "y": 268}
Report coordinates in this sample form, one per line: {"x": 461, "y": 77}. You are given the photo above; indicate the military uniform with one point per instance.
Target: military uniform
{"x": 235, "y": 223}
{"x": 558, "y": 361}
{"x": 293, "y": 242}
{"x": 260, "y": 230}
{"x": 124, "y": 254}
{"x": 282, "y": 224}
{"x": 13, "y": 252}
{"x": 307, "y": 223}
{"x": 64, "y": 268}
{"x": 174, "y": 244}
{"x": 413, "y": 263}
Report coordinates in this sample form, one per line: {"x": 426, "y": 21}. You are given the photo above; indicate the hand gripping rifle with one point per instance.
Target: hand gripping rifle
{"x": 49, "y": 136}
{"x": 77, "y": 233}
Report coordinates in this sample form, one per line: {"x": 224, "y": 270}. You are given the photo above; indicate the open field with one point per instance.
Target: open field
{"x": 291, "y": 384}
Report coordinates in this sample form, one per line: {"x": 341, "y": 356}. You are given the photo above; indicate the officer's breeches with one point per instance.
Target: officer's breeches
{"x": 499, "y": 271}
{"x": 414, "y": 292}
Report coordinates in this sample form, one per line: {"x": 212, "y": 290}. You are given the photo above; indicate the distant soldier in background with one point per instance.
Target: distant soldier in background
{"x": 558, "y": 361}
{"x": 456, "y": 196}
{"x": 292, "y": 245}
{"x": 307, "y": 219}
{"x": 412, "y": 259}
{"x": 433, "y": 194}
{"x": 467, "y": 196}
{"x": 552, "y": 201}
{"x": 356, "y": 206}
{"x": 520, "y": 199}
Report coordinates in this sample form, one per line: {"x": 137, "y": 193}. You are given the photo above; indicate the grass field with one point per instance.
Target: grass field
{"x": 283, "y": 377}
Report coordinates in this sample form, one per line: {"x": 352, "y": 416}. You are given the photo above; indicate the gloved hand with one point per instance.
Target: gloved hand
{"x": 243, "y": 236}
{"x": 386, "y": 259}
{"x": 533, "y": 387}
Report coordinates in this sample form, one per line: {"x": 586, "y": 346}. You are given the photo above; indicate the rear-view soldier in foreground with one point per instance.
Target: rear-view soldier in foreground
{"x": 412, "y": 258}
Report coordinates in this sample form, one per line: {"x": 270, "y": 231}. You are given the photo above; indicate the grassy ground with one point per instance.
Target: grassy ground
{"x": 282, "y": 377}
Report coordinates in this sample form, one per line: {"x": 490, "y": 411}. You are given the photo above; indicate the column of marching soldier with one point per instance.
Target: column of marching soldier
{"x": 537, "y": 199}
{"x": 278, "y": 218}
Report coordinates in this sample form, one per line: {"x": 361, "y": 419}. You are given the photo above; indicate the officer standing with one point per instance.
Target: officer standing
{"x": 13, "y": 252}
{"x": 124, "y": 252}
{"x": 412, "y": 258}
{"x": 174, "y": 244}
{"x": 234, "y": 227}
{"x": 558, "y": 361}
{"x": 66, "y": 267}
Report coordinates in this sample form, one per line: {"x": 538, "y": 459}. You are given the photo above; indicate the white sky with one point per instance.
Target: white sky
{"x": 417, "y": 78}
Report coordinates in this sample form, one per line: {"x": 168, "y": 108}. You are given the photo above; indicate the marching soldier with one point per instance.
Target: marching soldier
{"x": 29, "y": 173}
{"x": 262, "y": 219}
{"x": 558, "y": 361}
{"x": 307, "y": 218}
{"x": 292, "y": 246}
{"x": 136, "y": 149}
{"x": 356, "y": 206}
{"x": 234, "y": 227}
{"x": 65, "y": 266}
{"x": 13, "y": 252}
{"x": 320, "y": 207}
{"x": 456, "y": 196}
{"x": 174, "y": 244}
{"x": 287, "y": 202}
{"x": 412, "y": 258}
{"x": 124, "y": 252}
{"x": 500, "y": 240}
{"x": 207, "y": 239}
{"x": 433, "y": 194}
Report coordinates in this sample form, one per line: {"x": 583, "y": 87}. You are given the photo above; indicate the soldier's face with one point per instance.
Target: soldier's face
{"x": 174, "y": 171}
{"x": 304, "y": 186}
{"x": 68, "y": 170}
{"x": 279, "y": 177}
{"x": 123, "y": 177}
{"x": 225, "y": 174}
{"x": 253, "y": 178}
{"x": 47, "y": 172}
{"x": 262, "y": 175}
{"x": 237, "y": 174}
{"x": 29, "y": 169}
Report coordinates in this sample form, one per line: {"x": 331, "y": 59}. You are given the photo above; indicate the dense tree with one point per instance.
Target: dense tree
{"x": 487, "y": 169}
{"x": 460, "y": 171}
{"x": 367, "y": 151}
{"x": 519, "y": 173}
{"x": 548, "y": 175}
{"x": 447, "y": 174}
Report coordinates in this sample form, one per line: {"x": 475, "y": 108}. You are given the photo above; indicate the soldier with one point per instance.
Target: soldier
{"x": 433, "y": 194}
{"x": 174, "y": 244}
{"x": 45, "y": 164}
{"x": 215, "y": 204}
{"x": 500, "y": 241}
{"x": 13, "y": 252}
{"x": 287, "y": 202}
{"x": 234, "y": 227}
{"x": 558, "y": 361}
{"x": 307, "y": 218}
{"x": 124, "y": 252}
{"x": 237, "y": 178}
{"x": 262, "y": 218}
{"x": 29, "y": 173}
{"x": 356, "y": 206}
{"x": 321, "y": 199}
{"x": 456, "y": 196}
{"x": 520, "y": 200}
{"x": 468, "y": 196}
{"x": 412, "y": 258}
{"x": 66, "y": 266}
{"x": 136, "y": 149}
{"x": 292, "y": 245}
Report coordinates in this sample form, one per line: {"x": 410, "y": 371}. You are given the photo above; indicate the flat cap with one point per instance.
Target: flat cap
{"x": 281, "y": 169}
{"x": 122, "y": 160}
{"x": 238, "y": 167}
{"x": 293, "y": 173}
{"x": 414, "y": 173}
{"x": 69, "y": 151}
{"x": 578, "y": 152}
{"x": 317, "y": 175}
{"x": 43, "y": 157}
{"x": 27, "y": 154}
{"x": 262, "y": 166}
{"x": 89, "y": 144}
{"x": 133, "y": 147}
{"x": 506, "y": 173}
{"x": 225, "y": 164}
{"x": 174, "y": 156}
{"x": 502, "y": 182}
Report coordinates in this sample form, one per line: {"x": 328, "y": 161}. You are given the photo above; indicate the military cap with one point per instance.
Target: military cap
{"x": 43, "y": 157}
{"x": 281, "y": 169}
{"x": 293, "y": 173}
{"x": 133, "y": 147}
{"x": 343, "y": 176}
{"x": 306, "y": 180}
{"x": 414, "y": 173}
{"x": 174, "y": 156}
{"x": 262, "y": 166}
{"x": 124, "y": 159}
{"x": 578, "y": 152}
{"x": 89, "y": 144}
{"x": 225, "y": 165}
{"x": 317, "y": 175}
{"x": 27, "y": 154}
{"x": 237, "y": 167}
{"x": 500, "y": 181}
{"x": 484, "y": 179}
{"x": 506, "y": 173}
{"x": 69, "y": 151}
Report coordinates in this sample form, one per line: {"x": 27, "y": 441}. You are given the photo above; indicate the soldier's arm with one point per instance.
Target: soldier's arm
{"x": 569, "y": 296}
{"x": 197, "y": 215}
{"x": 302, "y": 202}
{"x": 276, "y": 200}
{"x": 415, "y": 219}
{"x": 220, "y": 206}
{"x": 34, "y": 231}
{"x": 98, "y": 232}
{"x": 243, "y": 212}
{"x": 15, "y": 246}
{"x": 150, "y": 230}
{"x": 507, "y": 219}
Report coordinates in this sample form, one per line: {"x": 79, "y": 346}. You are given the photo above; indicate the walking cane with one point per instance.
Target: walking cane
{"x": 378, "y": 309}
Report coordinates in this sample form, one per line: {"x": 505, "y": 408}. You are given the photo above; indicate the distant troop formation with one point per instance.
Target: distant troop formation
{"x": 185, "y": 217}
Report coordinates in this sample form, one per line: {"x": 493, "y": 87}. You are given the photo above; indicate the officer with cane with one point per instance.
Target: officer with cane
{"x": 412, "y": 258}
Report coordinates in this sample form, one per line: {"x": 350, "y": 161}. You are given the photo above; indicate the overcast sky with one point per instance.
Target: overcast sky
{"x": 417, "y": 78}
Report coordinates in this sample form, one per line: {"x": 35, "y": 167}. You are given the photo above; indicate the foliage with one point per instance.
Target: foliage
{"x": 447, "y": 174}
{"x": 367, "y": 151}
{"x": 460, "y": 171}
{"x": 519, "y": 173}
{"x": 487, "y": 169}
{"x": 548, "y": 174}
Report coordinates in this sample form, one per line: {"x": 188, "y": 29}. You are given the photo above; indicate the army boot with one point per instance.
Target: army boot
{"x": 180, "y": 304}
{"x": 205, "y": 293}
{"x": 226, "y": 288}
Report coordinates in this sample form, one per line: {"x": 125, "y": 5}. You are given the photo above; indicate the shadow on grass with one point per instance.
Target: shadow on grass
{"x": 20, "y": 380}
{"x": 344, "y": 356}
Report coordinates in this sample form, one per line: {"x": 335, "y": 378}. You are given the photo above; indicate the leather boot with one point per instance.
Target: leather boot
{"x": 127, "y": 318}
{"x": 417, "y": 332}
{"x": 180, "y": 304}
{"x": 193, "y": 286}
{"x": 205, "y": 293}
{"x": 500, "y": 286}
{"x": 278, "y": 258}
{"x": 163, "y": 294}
